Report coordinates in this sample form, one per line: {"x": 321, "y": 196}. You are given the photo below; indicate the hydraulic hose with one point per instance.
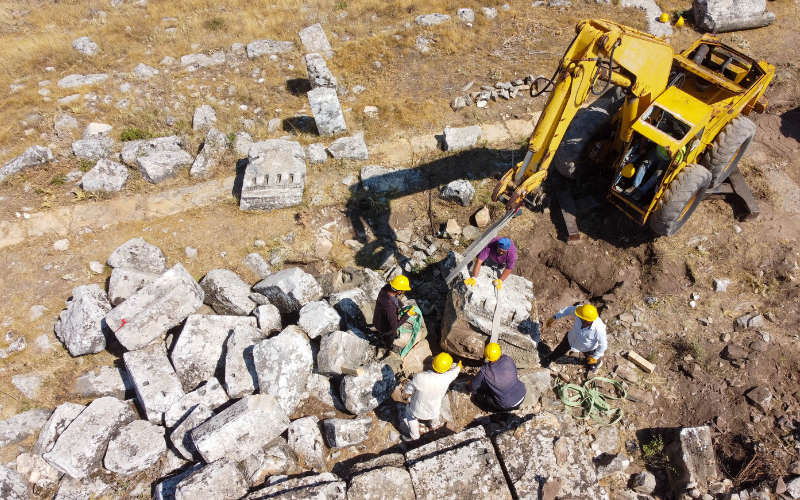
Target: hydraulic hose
{"x": 610, "y": 69}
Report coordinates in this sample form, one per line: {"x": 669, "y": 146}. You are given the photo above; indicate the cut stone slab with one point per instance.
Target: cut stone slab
{"x": 305, "y": 440}
{"x": 79, "y": 326}
{"x": 59, "y": 420}
{"x": 325, "y": 486}
{"x": 692, "y": 460}
{"x": 163, "y": 165}
{"x": 469, "y": 313}
{"x": 135, "y": 149}
{"x": 198, "y": 352}
{"x": 136, "y": 446}
{"x": 192, "y": 62}
{"x": 211, "y": 394}
{"x": 276, "y": 458}
{"x": 269, "y": 318}
{"x": 341, "y": 432}
{"x": 83, "y": 489}
{"x": 731, "y": 15}
{"x": 289, "y": 289}
{"x": 204, "y": 117}
{"x": 125, "y": 282}
{"x": 78, "y": 80}
{"x": 105, "y": 177}
{"x": 377, "y": 179}
{"x": 258, "y": 48}
{"x": 465, "y": 462}
{"x": 459, "y": 191}
{"x": 431, "y": 19}
{"x": 314, "y": 39}
{"x": 21, "y": 426}
{"x": 353, "y": 307}
{"x": 316, "y": 153}
{"x": 537, "y": 384}
{"x": 103, "y": 381}
{"x": 221, "y": 480}
{"x": 181, "y": 435}
{"x": 165, "y": 490}
{"x": 241, "y": 377}
{"x": 456, "y": 139}
{"x": 214, "y": 147}
{"x": 94, "y": 148}
{"x": 349, "y": 148}
{"x": 535, "y": 450}
{"x": 323, "y": 390}
{"x": 241, "y": 429}
{"x": 343, "y": 348}
{"x": 79, "y": 450}
{"x": 327, "y": 111}
{"x": 138, "y": 255}
{"x": 34, "y": 156}
{"x": 275, "y": 176}
{"x": 12, "y": 485}
{"x": 318, "y": 73}
{"x": 156, "y": 308}
{"x": 256, "y": 263}
{"x": 283, "y": 364}
{"x": 386, "y": 483}
{"x": 157, "y": 386}
{"x": 363, "y": 393}
{"x": 227, "y": 293}
{"x": 318, "y": 318}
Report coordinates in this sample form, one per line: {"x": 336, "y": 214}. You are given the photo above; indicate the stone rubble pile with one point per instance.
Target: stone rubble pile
{"x": 501, "y": 90}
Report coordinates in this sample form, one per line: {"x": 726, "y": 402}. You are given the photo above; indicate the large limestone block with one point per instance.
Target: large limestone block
{"x": 318, "y": 318}
{"x": 469, "y": 313}
{"x": 138, "y": 255}
{"x": 156, "y": 308}
{"x": 386, "y": 483}
{"x": 105, "y": 177}
{"x": 165, "y": 490}
{"x": 378, "y": 179}
{"x": 692, "y": 460}
{"x": 59, "y": 420}
{"x": 181, "y": 435}
{"x": 353, "y": 307}
{"x": 93, "y": 148}
{"x": 103, "y": 381}
{"x": 157, "y": 386}
{"x": 343, "y": 348}
{"x": 241, "y": 377}
{"x": 21, "y": 426}
{"x": 342, "y": 432}
{"x": 222, "y": 480}
{"x": 305, "y": 440}
{"x": 258, "y": 48}
{"x": 136, "y": 447}
{"x": 198, "y": 352}
{"x": 276, "y": 458}
{"x": 84, "y": 489}
{"x": 34, "y": 156}
{"x": 163, "y": 165}
{"x": 465, "y": 462}
{"x": 314, "y": 39}
{"x": 363, "y": 393}
{"x": 269, "y": 318}
{"x": 456, "y": 139}
{"x": 327, "y": 110}
{"x": 318, "y": 73}
{"x": 227, "y": 293}
{"x": 731, "y": 15}
{"x": 79, "y": 325}
{"x": 79, "y": 450}
{"x": 125, "y": 282}
{"x": 210, "y": 394}
{"x": 241, "y": 429}
{"x": 283, "y": 364}
{"x": 12, "y": 485}
{"x": 535, "y": 450}
{"x": 135, "y": 149}
{"x": 275, "y": 176}
{"x": 289, "y": 289}
{"x": 325, "y": 486}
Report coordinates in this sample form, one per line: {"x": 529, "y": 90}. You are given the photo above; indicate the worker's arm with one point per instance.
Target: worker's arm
{"x": 506, "y": 274}
{"x": 567, "y": 311}
{"x": 477, "y": 268}
{"x": 476, "y": 382}
{"x": 410, "y": 388}
{"x": 602, "y": 339}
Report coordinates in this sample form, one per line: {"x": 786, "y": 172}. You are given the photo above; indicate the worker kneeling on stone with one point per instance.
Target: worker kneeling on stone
{"x": 385, "y": 319}
{"x": 496, "y": 385}
{"x": 587, "y": 335}
{"x": 500, "y": 253}
{"x": 427, "y": 390}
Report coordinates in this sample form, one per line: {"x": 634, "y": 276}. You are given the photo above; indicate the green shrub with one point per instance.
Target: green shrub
{"x": 134, "y": 134}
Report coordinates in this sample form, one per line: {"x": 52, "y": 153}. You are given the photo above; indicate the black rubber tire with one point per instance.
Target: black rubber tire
{"x": 680, "y": 200}
{"x": 729, "y": 147}
{"x": 570, "y": 159}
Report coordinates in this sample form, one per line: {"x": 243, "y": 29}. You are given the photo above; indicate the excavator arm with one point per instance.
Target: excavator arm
{"x": 636, "y": 61}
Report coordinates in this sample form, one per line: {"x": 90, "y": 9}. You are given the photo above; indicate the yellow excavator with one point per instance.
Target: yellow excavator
{"x": 671, "y": 125}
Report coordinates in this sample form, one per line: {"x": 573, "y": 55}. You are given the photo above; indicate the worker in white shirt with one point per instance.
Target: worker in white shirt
{"x": 587, "y": 336}
{"x": 427, "y": 390}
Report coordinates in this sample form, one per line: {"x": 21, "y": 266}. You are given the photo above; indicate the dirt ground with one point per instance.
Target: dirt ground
{"x": 622, "y": 268}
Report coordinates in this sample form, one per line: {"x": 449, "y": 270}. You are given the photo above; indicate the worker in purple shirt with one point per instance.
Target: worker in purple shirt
{"x": 500, "y": 253}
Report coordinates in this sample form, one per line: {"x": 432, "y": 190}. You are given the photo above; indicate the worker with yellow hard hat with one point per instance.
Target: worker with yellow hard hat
{"x": 385, "y": 319}
{"x": 496, "y": 386}
{"x": 587, "y": 336}
{"x": 427, "y": 390}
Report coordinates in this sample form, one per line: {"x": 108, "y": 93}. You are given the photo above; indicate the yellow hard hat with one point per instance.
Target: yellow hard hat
{"x": 586, "y": 312}
{"x": 628, "y": 170}
{"x": 664, "y": 17}
{"x": 492, "y": 352}
{"x": 400, "y": 282}
{"x": 442, "y": 362}
{"x": 679, "y": 22}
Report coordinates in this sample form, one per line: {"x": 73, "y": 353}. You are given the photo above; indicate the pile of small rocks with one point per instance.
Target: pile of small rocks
{"x": 500, "y": 90}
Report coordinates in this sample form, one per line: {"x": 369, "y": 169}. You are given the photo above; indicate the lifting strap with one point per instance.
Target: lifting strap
{"x": 591, "y": 401}
{"x": 416, "y": 325}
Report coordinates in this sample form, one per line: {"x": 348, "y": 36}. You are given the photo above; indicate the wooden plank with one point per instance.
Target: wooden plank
{"x": 641, "y": 362}
{"x": 743, "y": 191}
{"x": 352, "y": 370}
{"x": 568, "y": 213}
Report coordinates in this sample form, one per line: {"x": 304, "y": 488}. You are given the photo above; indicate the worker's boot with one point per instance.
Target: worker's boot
{"x": 594, "y": 369}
